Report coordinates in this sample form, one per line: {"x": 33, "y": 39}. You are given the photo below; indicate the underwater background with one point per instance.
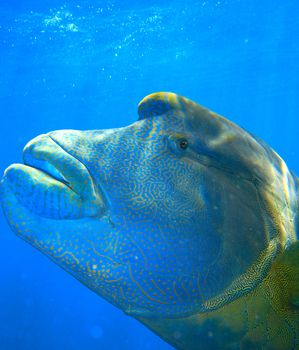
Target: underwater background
{"x": 86, "y": 65}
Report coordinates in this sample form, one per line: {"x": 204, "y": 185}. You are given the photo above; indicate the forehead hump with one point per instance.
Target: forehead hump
{"x": 212, "y": 134}
{"x": 174, "y": 108}
{"x": 158, "y": 103}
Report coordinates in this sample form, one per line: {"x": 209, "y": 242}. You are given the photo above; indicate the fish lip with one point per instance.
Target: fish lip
{"x": 99, "y": 189}
{"x": 45, "y": 154}
{"x": 49, "y": 170}
{"x": 61, "y": 177}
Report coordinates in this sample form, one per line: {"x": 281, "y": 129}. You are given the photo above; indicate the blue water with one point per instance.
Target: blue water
{"x": 86, "y": 65}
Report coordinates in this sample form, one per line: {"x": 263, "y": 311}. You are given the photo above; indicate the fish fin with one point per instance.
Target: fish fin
{"x": 296, "y": 180}
{"x": 286, "y": 269}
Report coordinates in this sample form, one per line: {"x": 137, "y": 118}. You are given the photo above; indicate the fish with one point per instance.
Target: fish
{"x": 183, "y": 220}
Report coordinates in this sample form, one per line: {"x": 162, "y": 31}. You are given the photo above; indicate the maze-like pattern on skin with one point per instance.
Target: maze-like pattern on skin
{"x": 155, "y": 228}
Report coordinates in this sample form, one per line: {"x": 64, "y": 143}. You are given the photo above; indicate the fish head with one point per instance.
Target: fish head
{"x": 159, "y": 217}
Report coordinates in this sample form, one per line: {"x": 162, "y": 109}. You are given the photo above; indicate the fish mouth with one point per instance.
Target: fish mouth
{"x": 32, "y": 159}
{"x": 52, "y": 183}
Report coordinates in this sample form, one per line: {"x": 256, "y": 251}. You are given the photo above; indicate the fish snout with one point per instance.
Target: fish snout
{"x": 58, "y": 177}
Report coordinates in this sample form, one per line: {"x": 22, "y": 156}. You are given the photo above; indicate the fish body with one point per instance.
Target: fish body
{"x": 183, "y": 220}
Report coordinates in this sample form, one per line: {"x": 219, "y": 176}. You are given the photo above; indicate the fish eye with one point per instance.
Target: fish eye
{"x": 183, "y": 143}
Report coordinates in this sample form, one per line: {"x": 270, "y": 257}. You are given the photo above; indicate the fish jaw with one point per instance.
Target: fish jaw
{"x": 51, "y": 183}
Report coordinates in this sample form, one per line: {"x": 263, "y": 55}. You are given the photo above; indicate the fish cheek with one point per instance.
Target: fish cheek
{"x": 84, "y": 249}
{"x": 77, "y": 246}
